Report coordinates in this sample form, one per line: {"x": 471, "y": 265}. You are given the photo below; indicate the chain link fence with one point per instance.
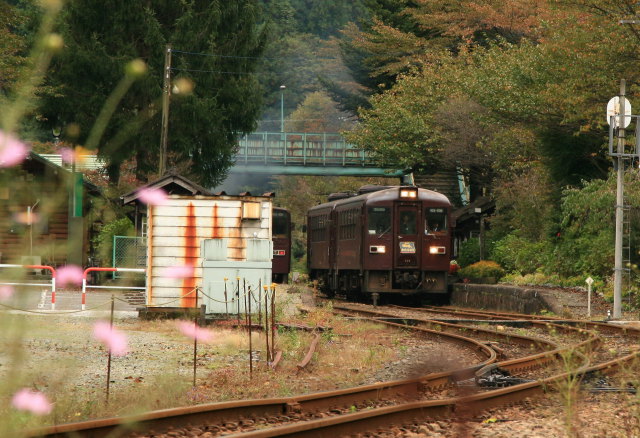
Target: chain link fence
{"x": 129, "y": 252}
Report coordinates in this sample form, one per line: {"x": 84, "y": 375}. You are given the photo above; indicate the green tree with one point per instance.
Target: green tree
{"x": 101, "y": 38}
{"x": 12, "y": 47}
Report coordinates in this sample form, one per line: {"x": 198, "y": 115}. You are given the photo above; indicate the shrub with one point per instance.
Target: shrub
{"x": 469, "y": 252}
{"x": 483, "y": 269}
{"x": 521, "y": 255}
{"x": 104, "y": 240}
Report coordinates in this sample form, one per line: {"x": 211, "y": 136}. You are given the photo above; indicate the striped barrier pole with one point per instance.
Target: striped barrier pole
{"x": 86, "y": 272}
{"x": 47, "y": 267}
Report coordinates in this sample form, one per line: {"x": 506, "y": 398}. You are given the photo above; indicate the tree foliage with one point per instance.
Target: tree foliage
{"x": 101, "y": 38}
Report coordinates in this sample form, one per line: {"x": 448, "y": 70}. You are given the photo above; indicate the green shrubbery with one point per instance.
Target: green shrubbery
{"x": 483, "y": 269}
{"x": 523, "y": 256}
{"x": 104, "y": 240}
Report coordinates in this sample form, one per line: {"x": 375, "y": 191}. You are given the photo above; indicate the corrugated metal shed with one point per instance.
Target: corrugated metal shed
{"x": 176, "y": 232}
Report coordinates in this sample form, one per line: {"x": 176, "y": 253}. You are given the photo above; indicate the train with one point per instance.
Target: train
{"x": 381, "y": 241}
{"x": 281, "y": 264}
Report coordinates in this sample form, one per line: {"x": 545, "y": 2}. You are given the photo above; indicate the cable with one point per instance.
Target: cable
{"x": 222, "y": 56}
{"x": 53, "y": 313}
{"x": 213, "y": 71}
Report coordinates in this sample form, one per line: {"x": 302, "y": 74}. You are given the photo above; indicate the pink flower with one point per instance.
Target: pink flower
{"x": 69, "y": 274}
{"x": 26, "y": 218}
{"x": 67, "y": 155}
{"x": 32, "y": 401}
{"x": 115, "y": 340}
{"x": 12, "y": 150}
{"x": 178, "y": 271}
{"x": 5, "y": 292}
{"x": 153, "y": 196}
{"x": 192, "y": 331}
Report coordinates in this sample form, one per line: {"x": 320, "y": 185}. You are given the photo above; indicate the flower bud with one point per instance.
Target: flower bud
{"x": 136, "y": 68}
{"x": 53, "y": 42}
{"x": 183, "y": 86}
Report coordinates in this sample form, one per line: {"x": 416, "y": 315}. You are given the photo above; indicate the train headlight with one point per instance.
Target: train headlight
{"x": 377, "y": 249}
{"x": 279, "y": 252}
{"x": 437, "y": 250}
{"x": 409, "y": 193}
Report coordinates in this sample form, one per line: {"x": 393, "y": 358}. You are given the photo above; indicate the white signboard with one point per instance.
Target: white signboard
{"x": 613, "y": 109}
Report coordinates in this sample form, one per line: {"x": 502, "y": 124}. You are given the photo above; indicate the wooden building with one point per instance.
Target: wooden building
{"x": 43, "y": 210}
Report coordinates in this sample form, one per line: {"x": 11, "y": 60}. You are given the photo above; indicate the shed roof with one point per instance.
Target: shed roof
{"x": 171, "y": 183}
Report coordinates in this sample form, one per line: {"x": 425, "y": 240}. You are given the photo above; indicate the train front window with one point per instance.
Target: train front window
{"x": 408, "y": 222}
{"x": 435, "y": 219}
{"x": 379, "y": 220}
{"x": 280, "y": 224}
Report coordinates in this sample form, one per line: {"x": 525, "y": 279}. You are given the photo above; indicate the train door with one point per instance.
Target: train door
{"x": 407, "y": 235}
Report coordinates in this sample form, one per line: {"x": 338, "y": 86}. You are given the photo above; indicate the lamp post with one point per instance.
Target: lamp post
{"x": 282, "y": 88}
{"x": 56, "y": 131}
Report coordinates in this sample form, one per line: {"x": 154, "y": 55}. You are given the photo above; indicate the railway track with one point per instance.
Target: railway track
{"x": 592, "y": 347}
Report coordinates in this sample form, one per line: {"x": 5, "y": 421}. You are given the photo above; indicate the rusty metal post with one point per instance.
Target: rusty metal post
{"x": 259, "y": 301}
{"x": 250, "y": 344}
{"x": 266, "y": 292}
{"x": 238, "y": 297}
{"x": 195, "y": 339}
{"x": 266, "y": 322}
{"x": 273, "y": 321}
{"x": 244, "y": 288}
{"x": 226, "y": 301}
{"x": 109, "y": 350}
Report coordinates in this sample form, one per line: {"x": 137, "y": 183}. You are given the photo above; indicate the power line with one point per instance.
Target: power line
{"x": 213, "y": 71}
{"x": 223, "y": 56}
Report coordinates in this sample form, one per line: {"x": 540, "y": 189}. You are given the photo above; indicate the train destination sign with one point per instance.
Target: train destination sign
{"x": 407, "y": 247}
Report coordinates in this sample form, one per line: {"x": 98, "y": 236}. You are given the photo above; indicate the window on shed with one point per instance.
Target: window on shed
{"x": 250, "y": 210}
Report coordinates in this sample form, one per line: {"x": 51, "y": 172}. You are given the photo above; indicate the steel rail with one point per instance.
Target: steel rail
{"x": 372, "y": 419}
{"x": 521, "y": 364}
{"x": 604, "y": 326}
{"x": 218, "y": 412}
{"x": 229, "y": 411}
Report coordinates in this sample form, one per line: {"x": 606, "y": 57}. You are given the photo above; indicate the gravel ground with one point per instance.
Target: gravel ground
{"x": 595, "y": 415}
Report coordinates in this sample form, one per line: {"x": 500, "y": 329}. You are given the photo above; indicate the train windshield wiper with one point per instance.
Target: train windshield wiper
{"x": 384, "y": 232}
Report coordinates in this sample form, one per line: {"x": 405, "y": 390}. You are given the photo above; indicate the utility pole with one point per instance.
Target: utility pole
{"x": 166, "y": 93}
{"x": 617, "y": 279}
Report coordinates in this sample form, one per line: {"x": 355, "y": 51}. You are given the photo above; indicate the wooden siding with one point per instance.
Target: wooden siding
{"x": 176, "y": 231}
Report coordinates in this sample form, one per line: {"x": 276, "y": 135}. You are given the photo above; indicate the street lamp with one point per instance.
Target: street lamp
{"x": 56, "y": 131}
{"x": 282, "y": 88}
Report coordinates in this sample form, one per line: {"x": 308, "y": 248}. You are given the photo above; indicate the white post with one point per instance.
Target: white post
{"x": 84, "y": 292}
{"x": 617, "y": 275}
{"x": 589, "y": 282}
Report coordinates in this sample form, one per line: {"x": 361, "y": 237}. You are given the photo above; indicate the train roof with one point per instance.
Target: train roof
{"x": 386, "y": 194}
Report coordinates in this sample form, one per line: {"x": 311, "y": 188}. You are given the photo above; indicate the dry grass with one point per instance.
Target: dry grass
{"x": 56, "y": 355}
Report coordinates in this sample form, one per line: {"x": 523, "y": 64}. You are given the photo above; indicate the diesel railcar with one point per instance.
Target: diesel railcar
{"x": 383, "y": 240}
{"x": 281, "y": 264}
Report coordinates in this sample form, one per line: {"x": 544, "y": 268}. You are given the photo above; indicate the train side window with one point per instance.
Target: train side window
{"x": 435, "y": 219}
{"x": 280, "y": 224}
{"x": 379, "y": 220}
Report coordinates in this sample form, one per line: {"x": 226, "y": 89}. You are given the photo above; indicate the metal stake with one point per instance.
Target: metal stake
{"x": 250, "y": 344}
{"x": 195, "y": 340}
{"x": 273, "y": 321}
{"x": 266, "y": 324}
{"x": 226, "y": 302}
{"x": 109, "y": 359}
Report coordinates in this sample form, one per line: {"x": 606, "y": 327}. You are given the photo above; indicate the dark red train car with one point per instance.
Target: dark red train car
{"x": 281, "y": 264}
{"x": 385, "y": 240}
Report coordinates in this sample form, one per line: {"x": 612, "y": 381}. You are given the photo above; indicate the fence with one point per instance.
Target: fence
{"x": 129, "y": 252}
{"x": 51, "y": 283}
